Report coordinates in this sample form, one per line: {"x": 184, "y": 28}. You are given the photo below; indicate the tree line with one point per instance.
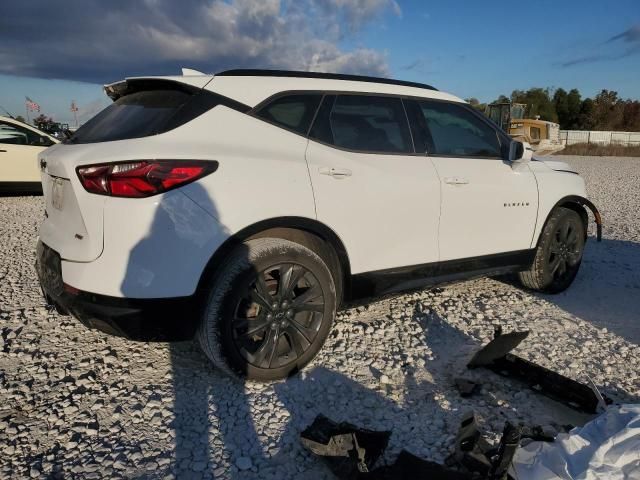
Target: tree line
{"x": 606, "y": 111}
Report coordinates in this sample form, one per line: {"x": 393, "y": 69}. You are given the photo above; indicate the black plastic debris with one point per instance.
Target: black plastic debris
{"x": 497, "y": 348}
{"x": 473, "y": 453}
{"x": 409, "y": 467}
{"x": 466, "y": 387}
{"x": 539, "y": 433}
{"x": 348, "y": 450}
{"x": 496, "y": 357}
{"x": 509, "y": 443}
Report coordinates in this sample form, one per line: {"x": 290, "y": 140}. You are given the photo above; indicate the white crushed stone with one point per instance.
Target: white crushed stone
{"x": 79, "y": 404}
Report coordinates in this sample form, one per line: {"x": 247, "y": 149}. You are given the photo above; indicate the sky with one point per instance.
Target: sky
{"x": 55, "y": 53}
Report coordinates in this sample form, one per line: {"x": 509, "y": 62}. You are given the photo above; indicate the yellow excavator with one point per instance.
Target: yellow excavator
{"x": 543, "y": 136}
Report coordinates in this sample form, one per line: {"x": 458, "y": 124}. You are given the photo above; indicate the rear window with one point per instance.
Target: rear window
{"x": 136, "y": 115}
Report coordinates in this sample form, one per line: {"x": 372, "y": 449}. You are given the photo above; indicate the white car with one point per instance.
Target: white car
{"x": 20, "y": 145}
{"x": 245, "y": 208}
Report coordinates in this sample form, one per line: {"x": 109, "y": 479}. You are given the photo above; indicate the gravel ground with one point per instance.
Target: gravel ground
{"x": 79, "y": 404}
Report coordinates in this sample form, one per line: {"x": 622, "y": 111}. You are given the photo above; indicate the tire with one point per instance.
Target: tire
{"x": 559, "y": 253}
{"x": 256, "y": 324}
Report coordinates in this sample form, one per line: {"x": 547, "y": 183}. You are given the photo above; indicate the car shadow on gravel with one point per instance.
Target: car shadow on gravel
{"x": 225, "y": 428}
{"x": 606, "y": 292}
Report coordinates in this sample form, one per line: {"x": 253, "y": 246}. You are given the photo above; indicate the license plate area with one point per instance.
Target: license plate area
{"x": 57, "y": 193}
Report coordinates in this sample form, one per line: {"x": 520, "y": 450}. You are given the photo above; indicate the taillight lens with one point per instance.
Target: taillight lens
{"x": 142, "y": 178}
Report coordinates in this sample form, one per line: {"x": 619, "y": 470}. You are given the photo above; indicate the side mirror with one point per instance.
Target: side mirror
{"x": 520, "y": 152}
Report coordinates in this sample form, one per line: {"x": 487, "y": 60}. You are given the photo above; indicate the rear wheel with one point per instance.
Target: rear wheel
{"x": 269, "y": 311}
{"x": 559, "y": 253}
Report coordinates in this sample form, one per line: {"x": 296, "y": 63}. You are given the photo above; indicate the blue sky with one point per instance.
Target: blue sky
{"x": 469, "y": 48}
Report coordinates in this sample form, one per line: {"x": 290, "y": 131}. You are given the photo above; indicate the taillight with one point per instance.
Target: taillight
{"x": 142, "y": 178}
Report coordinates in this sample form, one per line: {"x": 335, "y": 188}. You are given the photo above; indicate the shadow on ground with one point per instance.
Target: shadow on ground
{"x": 606, "y": 292}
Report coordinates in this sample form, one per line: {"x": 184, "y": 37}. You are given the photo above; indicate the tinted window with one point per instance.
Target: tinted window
{"x": 138, "y": 114}
{"x": 364, "y": 123}
{"x": 16, "y": 135}
{"x": 294, "y": 112}
{"x": 534, "y": 132}
{"x": 442, "y": 128}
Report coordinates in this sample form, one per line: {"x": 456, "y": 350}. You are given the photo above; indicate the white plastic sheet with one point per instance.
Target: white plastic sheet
{"x": 606, "y": 447}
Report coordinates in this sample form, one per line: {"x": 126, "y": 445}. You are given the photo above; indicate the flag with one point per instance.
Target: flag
{"x": 31, "y": 105}
{"x": 74, "y": 107}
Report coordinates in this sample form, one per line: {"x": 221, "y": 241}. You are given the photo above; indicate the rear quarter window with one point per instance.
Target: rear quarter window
{"x": 294, "y": 112}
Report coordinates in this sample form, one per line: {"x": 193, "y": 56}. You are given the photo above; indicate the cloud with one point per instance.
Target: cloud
{"x": 631, "y": 35}
{"x": 611, "y": 49}
{"x": 97, "y": 41}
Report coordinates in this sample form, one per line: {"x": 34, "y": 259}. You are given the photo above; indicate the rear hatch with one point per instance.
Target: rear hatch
{"x": 142, "y": 108}
{"x": 73, "y": 218}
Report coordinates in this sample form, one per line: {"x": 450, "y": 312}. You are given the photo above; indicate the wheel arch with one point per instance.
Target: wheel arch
{"x": 580, "y": 205}
{"x": 305, "y": 231}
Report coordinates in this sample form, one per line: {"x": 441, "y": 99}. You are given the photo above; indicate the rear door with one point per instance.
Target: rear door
{"x": 488, "y": 205}
{"x": 19, "y": 148}
{"x": 370, "y": 187}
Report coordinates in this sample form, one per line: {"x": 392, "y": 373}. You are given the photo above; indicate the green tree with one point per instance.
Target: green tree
{"x": 538, "y": 101}
{"x": 631, "y": 116}
{"x": 574, "y": 105}
{"x": 475, "y": 103}
{"x": 607, "y": 111}
{"x": 20, "y": 118}
{"x": 585, "y": 118}
{"x": 561, "y": 104}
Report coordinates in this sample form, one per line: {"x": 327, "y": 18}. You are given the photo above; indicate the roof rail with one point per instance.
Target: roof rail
{"x": 330, "y": 76}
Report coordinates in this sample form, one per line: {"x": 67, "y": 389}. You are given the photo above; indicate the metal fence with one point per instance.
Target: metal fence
{"x": 570, "y": 137}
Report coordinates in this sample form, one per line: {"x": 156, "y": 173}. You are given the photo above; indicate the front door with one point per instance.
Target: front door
{"x": 489, "y": 205}
{"x": 380, "y": 198}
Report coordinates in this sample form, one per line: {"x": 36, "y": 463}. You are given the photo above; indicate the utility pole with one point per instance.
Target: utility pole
{"x": 74, "y": 109}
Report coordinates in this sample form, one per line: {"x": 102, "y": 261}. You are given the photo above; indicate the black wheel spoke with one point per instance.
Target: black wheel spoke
{"x": 296, "y": 276}
{"x": 554, "y": 265}
{"x": 310, "y": 307}
{"x": 311, "y": 294}
{"x": 252, "y": 326}
{"x": 260, "y": 294}
{"x": 572, "y": 240}
{"x": 573, "y": 258}
{"x": 263, "y": 356}
{"x": 306, "y": 332}
{"x": 289, "y": 277}
{"x": 561, "y": 268}
{"x": 299, "y": 342}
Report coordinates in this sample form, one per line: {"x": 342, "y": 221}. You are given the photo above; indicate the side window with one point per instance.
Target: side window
{"x": 293, "y": 112}
{"x": 363, "y": 123}
{"x": 14, "y": 135}
{"x": 534, "y": 132}
{"x": 452, "y": 130}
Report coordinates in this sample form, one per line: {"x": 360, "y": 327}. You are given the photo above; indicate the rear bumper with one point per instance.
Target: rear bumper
{"x": 21, "y": 188}
{"x": 163, "y": 319}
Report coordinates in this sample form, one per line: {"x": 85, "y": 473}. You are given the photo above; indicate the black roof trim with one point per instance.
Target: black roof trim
{"x": 329, "y": 76}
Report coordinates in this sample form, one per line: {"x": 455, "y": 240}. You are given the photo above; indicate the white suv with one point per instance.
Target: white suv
{"x": 245, "y": 208}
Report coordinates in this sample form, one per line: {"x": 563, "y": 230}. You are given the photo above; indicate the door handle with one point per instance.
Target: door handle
{"x": 456, "y": 181}
{"x": 337, "y": 173}
{"x": 3, "y": 151}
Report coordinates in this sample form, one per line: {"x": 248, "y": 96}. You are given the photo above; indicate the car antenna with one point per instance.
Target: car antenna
{"x": 7, "y": 112}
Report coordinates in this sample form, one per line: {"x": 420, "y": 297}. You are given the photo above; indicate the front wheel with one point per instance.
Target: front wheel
{"x": 269, "y": 311}
{"x": 559, "y": 253}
